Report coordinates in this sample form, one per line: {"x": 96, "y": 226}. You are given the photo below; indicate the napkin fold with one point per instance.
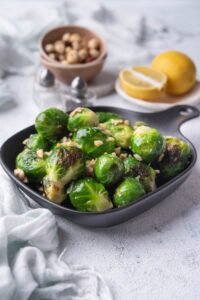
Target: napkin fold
{"x": 30, "y": 267}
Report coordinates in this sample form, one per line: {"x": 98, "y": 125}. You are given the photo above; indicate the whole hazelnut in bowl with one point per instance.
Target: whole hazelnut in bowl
{"x": 71, "y": 51}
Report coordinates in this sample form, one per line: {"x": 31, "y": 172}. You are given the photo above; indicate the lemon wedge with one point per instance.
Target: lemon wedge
{"x": 143, "y": 82}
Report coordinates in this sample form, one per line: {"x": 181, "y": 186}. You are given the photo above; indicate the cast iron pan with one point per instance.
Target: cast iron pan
{"x": 168, "y": 122}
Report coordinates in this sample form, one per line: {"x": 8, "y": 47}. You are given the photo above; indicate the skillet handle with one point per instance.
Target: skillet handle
{"x": 170, "y": 120}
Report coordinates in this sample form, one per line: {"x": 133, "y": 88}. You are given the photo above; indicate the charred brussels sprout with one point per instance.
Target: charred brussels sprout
{"x": 145, "y": 173}
{"x": 36, "y": 142}
{"x": 65, "y": 164}
{"x": 106, "y": 116}
{"x": 109, "y": 169}
{"x": 82, "y": 117}
{"x": 89, "y": 195}
{"x": 93, "y": 141}
{"x": 31, "y": 164}
{"x": 176, "y": 158}
{"x": 128, "y": 191}
{"x": 52, "y": 124}
{"x": 121, "y": 132}
{"x": 54, "y": 191}
{"x": 148, "y": 143}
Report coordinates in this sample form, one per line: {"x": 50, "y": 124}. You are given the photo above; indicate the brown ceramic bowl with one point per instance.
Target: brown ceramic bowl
{"x": 66, "y": 73}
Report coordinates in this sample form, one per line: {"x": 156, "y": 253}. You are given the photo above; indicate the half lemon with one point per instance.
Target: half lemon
{"x": 143, "y": 82}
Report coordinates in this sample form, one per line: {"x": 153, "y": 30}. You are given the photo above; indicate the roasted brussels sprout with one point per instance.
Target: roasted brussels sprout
{"x": 121, "y": 131}
{"x": 109, "y": 169}
{"x": 128, "y": 191}
{"x": 65, "y": 164}
{"x": 82, "y": 117}
{"x": 147, "y": 143}
{"x": 32, "y": 165}
{"x": 106, "y": 116}
{"x": 54, "y": 191}
{"x": 175, "y": 159}
{"x": 89, "y": 195}
{"x": 52, "y": 124}
{"x": 145, "y": 173}
{"x": 36, "y": 142}
{"x": 93, "y": 141}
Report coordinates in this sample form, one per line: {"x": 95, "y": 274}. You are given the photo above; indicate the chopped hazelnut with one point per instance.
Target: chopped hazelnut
{"x": 49, "y": 48}
{"x": 72, "y": 57}
{"x": 82, "y": 54}
{"x": 75, "y": 111}
{"x": 75, "y": 37}
{"x": 76, "y": 45}
{"x": 110, "y": 139}
{"x": 25, "y": 142}
{"x": 66, "y": 37}
{"x": 59, "y": 47}
{"x": 102, "y": 126}
{"x": 123, "y": 156}
{"x": 40, "y": 153}
{"x": 138, "y": 157}
{"x": 118, "y": 150}
{"x": 19, "y": 173}
{"x": 93, "y": 43}
{"x": 68, "y": 49}
{"x": 98, "y": 143}
{"x": 126, "y": 122}
{"x": 94, "y": 53}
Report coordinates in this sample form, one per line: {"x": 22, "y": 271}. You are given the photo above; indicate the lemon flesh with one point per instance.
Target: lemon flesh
{"x": 179, "y": 69}
{"x": 143, "y": 82}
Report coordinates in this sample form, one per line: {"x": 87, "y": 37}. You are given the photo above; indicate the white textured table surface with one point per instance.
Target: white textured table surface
{"x": 157, "y": 254}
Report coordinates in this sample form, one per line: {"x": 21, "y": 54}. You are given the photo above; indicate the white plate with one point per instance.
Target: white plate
{"x": 191, "y": 98}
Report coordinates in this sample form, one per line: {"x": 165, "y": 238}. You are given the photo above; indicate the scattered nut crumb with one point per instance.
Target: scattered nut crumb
{"x": 75, "y": 111}
{"x": 123, "y": 156}
{"x": 138, "y": 157}
{"x": 102, "y": 126}
{"x": 157, "y": 171}
{"x": 25, "y": 142}
{"x": 118, "y": 150}
{"x": 41, "y": 188}
{"x": 110, "y": 139}
{"x": 40, "y": 153}
{"x": 19, "y": 173}
{"x": 126, "y": 122}
{"x": 48, "y": 153}
{"x": 98, "y": 143}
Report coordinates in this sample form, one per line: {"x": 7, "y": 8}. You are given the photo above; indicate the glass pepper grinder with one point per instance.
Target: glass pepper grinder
{"x": 47, "y": 92}
{"x": 78, "y": 95}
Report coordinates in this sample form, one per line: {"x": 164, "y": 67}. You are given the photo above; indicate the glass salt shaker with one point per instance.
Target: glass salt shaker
{"x": 77, "y": 95}
{"x": 47, "y": 92}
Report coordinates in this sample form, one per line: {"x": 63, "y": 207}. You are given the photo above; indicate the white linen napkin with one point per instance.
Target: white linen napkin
{"x": 30, "y": 267}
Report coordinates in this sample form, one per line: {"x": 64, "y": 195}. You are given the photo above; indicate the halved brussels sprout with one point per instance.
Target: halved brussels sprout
{"x": 145, "y": 173}
{"x": 128, "y": 191}
{"x": 106, "y": 116}
{"x": 121, "y": 132}
{"x": 36, "y": 142}
{"x": 148, "y": 143}
{"x": 175, "y": 159}
{"x": 52, "y": 124}
{"x": 89, "y": 195}
{"x": 82, "y": 117}
{"x": 109, "y": 169}
{"x": 65, "y": 164}
{"x": 93, "y": 141}
{"x": 33, "y": 166}
{"x": 54, "y": 191}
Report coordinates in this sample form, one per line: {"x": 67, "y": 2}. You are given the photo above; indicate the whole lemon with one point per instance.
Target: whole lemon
{"x": 179, "y": 69}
